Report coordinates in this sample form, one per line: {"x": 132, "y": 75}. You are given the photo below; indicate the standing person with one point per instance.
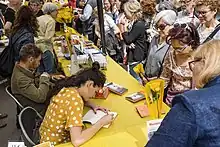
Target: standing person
{"x": 9, "y": 14}
{"x": 87, "y": 18}
{"x": 193, "y": 121}
{"x": 149, "y": 11}
{"x": 159, "y": 47}
{"x": 63, "y": 119}
{"x": 24, "y": 30}
{"x": 187, "y": 15}
{"x": 184, "y": 39}
{"x": 111, "y": 30}
{"x": 35, "y": 6}
{"x": 46, "y": 33}
{"x": 207, "y": 11}
{"x": 135, "y": 37}
{"x": 107, "y": 8}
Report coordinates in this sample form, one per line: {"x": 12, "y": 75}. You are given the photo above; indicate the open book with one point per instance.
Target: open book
{"x": 117, "y": 89}
{"x": 93, "y": 118}
{"x": 135, "y": 97}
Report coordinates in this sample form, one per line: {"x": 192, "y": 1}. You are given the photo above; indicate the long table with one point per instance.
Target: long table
{"x": 128, "y": 129}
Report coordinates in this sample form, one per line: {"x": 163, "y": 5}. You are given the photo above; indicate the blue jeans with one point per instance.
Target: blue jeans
{"x": 47, "y": 63}
{"x": 133, "y": 73}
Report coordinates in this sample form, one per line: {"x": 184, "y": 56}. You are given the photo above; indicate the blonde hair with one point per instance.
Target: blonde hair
{"x": 212, "y": 4}
{"x": 210, "y": 54}
{"x": 133, "y": 10}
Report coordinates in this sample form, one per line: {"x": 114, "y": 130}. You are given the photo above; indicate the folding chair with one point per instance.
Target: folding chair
{"x": 29, "y": 120}
{"x": 9, "y": 92}
{"x": 19, "y": 105}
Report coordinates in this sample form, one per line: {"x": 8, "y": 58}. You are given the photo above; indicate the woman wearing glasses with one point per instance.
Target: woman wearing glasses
{"x": 183, "y": 38}
{"x": 194, "y": 120}
{"x": 158, "y": 46}
{"x": 206, "y": 11}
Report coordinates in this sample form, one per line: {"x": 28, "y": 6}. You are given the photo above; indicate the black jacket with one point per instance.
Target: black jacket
{"x": 138, "y": 38}
{"x": 22, "y": 37}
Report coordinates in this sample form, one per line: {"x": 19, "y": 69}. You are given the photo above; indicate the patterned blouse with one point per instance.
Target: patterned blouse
{"x": 65, "y": 111}
{"x": 178, "y": 78}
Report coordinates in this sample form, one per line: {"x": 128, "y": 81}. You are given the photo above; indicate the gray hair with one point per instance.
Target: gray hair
{"x": 49, "y": 7}
{"x": 168, "y": 16}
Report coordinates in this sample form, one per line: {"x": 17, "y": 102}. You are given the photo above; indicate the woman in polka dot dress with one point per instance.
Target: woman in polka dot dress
{"x": 63, "y": 119}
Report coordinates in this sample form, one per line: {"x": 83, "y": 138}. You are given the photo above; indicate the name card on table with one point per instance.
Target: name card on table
{"x": 16, "y": 144}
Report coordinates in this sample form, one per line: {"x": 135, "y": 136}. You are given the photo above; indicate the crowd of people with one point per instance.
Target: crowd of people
{"x": 177, "y": 41}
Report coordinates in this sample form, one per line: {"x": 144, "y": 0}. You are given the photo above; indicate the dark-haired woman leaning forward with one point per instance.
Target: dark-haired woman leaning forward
{"x": 63, "y": 119}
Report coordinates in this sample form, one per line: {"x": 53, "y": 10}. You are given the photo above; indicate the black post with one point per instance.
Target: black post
{"x": 101, "y": 25}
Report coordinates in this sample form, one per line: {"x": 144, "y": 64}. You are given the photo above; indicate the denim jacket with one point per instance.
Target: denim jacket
{"x": 193, "y": 121}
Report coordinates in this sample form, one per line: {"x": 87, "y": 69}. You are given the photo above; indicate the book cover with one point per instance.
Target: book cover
{"x": 135, "y": 97}
{"x": 117, "y": 89}
{"x": 142, "y": 110}
{"x": 102, "y": 93}
{"x": 91, "y": 117}
{"x": 152, "y": 127}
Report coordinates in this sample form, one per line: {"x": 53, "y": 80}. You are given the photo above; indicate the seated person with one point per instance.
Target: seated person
{"x": 63, "y": 119}
{"x": 29, "y": 88}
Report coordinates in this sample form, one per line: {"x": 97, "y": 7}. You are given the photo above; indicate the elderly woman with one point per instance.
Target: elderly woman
{"x": 184, "y": 39}
{"x": 194, "y": 120}
{"x": 159, "y": 47}
{"x": 207, "y": 11}
{"x": 45, "y": 35}
{"x": 135, "y": 37}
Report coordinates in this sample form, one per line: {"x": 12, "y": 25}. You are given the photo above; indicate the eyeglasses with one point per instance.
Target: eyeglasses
{"x": 161, "y": 26}
{"x": 192, "y": 63}
{"x": 203, "y": 13}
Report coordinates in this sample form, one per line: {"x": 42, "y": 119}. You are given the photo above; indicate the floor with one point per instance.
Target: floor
{"x": 7, "y": 105}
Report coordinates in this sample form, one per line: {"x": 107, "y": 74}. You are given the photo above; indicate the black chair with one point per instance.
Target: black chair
{"x": 29, "y": 121}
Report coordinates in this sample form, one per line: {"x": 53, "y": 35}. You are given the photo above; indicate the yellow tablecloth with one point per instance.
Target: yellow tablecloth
{"x": 128, "y": 129}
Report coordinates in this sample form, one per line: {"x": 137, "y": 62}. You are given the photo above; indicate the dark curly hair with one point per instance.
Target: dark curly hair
{"x": 80, "y": 78}
{"x": 148, "y": 7}
{"x": 25, "y": 19}
{"x": 186, "y": 33}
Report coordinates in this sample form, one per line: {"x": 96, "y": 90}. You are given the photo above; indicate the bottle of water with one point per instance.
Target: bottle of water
{"x": 74, "y": 63}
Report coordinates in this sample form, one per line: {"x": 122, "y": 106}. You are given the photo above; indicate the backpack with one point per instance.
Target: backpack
{"x": 7, "y": 58}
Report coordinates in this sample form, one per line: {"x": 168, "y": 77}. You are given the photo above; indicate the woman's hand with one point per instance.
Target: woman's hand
{"x": 107, "y": 119}
{"x": 96, "y": 108}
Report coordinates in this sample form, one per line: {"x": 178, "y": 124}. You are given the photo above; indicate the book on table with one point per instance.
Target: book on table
{"x": 115, "y": 88}
{"x": 142, "y": 110}
{"x": 135, "y": 97}
{"x": 92, "y": 117}
{"x": 152, "y": 127}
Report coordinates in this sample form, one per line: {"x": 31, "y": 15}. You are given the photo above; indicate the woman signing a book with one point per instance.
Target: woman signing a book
{"x": 63, "y": 119}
